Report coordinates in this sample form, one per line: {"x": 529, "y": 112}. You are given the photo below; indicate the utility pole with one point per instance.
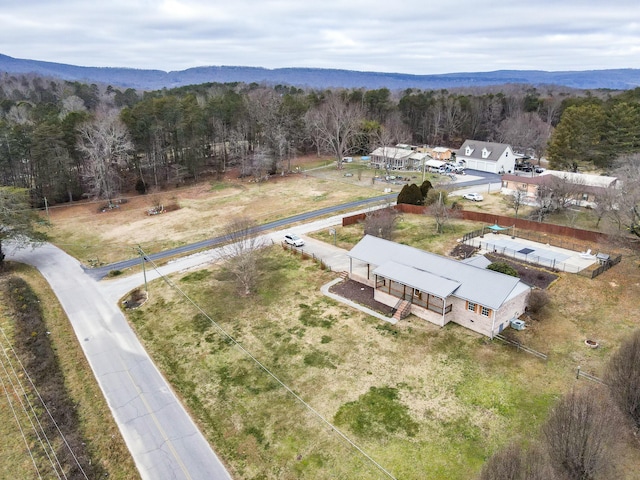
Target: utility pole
{"x": 46, "y": 207}
{"x": 144, "y": 270}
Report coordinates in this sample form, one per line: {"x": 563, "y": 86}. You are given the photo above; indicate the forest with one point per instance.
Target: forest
{"x": 65, "y": 141}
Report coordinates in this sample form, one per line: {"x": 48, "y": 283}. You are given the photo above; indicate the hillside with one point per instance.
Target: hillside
{"x": 619, "y": 79}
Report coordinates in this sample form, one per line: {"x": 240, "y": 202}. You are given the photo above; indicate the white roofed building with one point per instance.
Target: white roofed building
{"x": 436, "y": 288}
{"x": 487, "y": 156}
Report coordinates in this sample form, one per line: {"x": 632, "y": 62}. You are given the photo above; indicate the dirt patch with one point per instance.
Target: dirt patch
{"x": 534, "y": 276}
{"x": 361, "y": 294}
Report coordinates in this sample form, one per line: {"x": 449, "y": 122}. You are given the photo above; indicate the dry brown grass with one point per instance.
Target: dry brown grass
{"x": 204, "y": 211}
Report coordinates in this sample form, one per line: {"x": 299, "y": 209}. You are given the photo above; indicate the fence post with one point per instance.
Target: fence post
{"x": 578, "y": 374}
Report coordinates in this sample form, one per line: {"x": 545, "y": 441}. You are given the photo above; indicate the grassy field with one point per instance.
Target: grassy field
{"x": 424, "y": 402}
{"x": 101, "y": 437}
{"x": 202, "y": 211}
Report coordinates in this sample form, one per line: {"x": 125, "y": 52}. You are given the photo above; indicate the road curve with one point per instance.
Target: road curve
{"x": 164, "y": 441}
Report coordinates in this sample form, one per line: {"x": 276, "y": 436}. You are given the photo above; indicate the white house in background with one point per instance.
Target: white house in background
{"x": 397, "y": 158}
{"x": 487, "y": 156}
{"x": 436, "y": 288}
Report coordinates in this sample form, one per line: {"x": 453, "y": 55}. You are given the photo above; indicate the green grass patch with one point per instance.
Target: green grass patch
{"x": 378, "y": 413}
{"x": 314, "y": 316}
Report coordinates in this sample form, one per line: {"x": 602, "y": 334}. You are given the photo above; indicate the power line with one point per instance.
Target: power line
{"x": 15, "y": 416}
{"x": 20, "y": 397}
{"x": 26, "y": 373}
{"x": 268, "y": 371}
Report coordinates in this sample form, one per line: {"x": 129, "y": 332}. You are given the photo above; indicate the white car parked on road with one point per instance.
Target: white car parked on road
{"x": 476, "y": 197}
{"x": 293, "y": 239}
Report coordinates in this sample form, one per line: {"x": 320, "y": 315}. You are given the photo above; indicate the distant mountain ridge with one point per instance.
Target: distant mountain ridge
{"x": 615, "y": 79}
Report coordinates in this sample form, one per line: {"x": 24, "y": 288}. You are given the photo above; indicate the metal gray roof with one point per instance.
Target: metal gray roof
{"x": 495, "y": 149}
{"x": 416, "y": 278}
{"x": 477, "y": 285}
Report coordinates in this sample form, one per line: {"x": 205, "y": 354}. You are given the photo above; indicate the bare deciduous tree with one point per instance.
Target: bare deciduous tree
{"x": 437, "y": 208}
{"x": 623, "y": 378}
{"x": 242, "y": 253}
{"x": 516, "y": 462}
{"x": 517, "y": 199}
{"x": 381, "y": 223}
{"x": 335, "y": 125}
{"x": 581, "y": 435}
{"x": 106, "y": 146}
{"x": 526, "y": 132}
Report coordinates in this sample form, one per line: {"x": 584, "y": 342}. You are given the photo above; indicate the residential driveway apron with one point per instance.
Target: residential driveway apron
{"x": 163, "y": 440}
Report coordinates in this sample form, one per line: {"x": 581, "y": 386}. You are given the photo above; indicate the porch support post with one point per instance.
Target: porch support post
{"x": 444, "y": 308}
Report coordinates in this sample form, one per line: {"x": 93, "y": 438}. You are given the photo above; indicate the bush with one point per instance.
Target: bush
{"x": 537, "y": 300}
{"x": 623, "y": 378}
{"x": 425, "y": 187}
{"x": 434, "y": 196}
{"x": 516, "y": 462}
{"x": 411, "y": 195}
{"x": 581, "y": 435}
{"x": 503, "y": 267}
{"x": 141, "y": 187}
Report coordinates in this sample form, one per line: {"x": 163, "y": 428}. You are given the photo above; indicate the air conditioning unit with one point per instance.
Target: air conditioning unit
{"x": 517, "y": 324}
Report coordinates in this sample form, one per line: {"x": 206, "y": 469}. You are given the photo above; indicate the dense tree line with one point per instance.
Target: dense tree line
{"x": 68, "y": 140}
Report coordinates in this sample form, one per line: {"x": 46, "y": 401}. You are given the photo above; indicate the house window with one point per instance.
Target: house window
{"x": 485, "y": 311}
{"x": 585, "y": 196}
{"x": 485, "y": 153}
{"x": 471, "y": 307}
{"x": 523, "y": 185}
{"x": 417, "y": 293}
{"x": 468, "y": 151}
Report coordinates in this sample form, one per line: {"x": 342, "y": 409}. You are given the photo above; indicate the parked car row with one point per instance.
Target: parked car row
{"x": 527, "y": 167}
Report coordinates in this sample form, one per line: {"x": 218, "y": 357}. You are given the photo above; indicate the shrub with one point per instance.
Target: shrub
{"x": 411, "y": 195}
{"x": 435, "y": 196}
{"x": 141, "y": 187}
{"x": 425, "y": 187}
{"x": 503, "y": 267}
{"x": 581, "y": 435}
{"x": 623, "y": 378}
{"x": 537, "y": 300}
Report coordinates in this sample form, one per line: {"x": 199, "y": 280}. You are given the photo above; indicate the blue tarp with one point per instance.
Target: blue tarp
{"x": 497, "y": 228}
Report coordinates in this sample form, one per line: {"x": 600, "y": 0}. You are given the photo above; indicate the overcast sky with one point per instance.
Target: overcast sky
{"x": 406, "y": 36}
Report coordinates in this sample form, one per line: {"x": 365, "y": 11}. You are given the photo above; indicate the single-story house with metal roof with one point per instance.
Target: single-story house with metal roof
{"x": 397, "y": 158}
{"x": 487, "y": 156}
{"x": 582, "y": 187}
{"x": 436, "y": 288}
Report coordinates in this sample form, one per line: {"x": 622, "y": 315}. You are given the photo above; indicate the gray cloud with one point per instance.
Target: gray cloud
{"x": 403, "y": 36}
